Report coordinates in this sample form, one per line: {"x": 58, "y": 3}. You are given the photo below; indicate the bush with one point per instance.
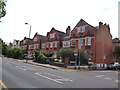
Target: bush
{"x": 9, "y": 53}
{"x": 36, "y": 54}
{"x": 68, "y": 52}
{"x": 48, "y": 54}
{"x": 41, "y": 58}
{"x": 16, "y": 53}
{"x": 23, "y": 53}
{"x": 4, "y": 49}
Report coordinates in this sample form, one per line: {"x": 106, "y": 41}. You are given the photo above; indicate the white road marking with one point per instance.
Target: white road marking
{"x": 28, "y": 68}
{"x": 58, "y": 76}
{"x": 117, "y": 81}
{"x": 100, "y": 76}
{"x": 20, "y": 68}
{"x": 108, "y": 78}
{"x": 101, "y": 71}
{"x": 48, "y": 78}
{"x": 8, "y": 63}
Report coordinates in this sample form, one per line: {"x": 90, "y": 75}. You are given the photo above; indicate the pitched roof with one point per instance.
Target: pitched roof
{"x": 81, "y": 20}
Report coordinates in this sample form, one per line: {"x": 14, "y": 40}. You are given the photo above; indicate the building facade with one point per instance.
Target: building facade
{"x": 16, "y": 44}
{"x": 96, "y": 42}
{"x": 53, "y": 41}
{"x": 36, "y": 43}
{"x": 115, "y": 42}
{"x": 24, "y": 43}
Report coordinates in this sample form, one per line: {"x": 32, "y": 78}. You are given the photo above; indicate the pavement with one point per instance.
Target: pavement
{"x": 16, "y": 74}
{"x": 45, "y": 65}
{"x": 53, "y": 67}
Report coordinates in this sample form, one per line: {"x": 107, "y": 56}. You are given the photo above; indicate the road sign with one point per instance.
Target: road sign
{"x": 75, "y": 54}
{"x": 104, "y": 57}
{"x": 72, "y": 61}
{"x": 75, "y": 51}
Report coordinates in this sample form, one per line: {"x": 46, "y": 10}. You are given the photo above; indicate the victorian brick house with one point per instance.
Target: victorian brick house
{"x": 36, "y": 43}
{"x": 53, "y": 41}
{"x": 16, "y": 44}
{"x": 96, "y": 42}
{"x": 24, "y": 43}
{"x": 115, "y": 42}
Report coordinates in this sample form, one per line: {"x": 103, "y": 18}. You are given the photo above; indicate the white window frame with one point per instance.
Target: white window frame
{"x": 55, "y": 44}
{"x": 29, "y": 46}
{"x": 81, "y": 41}
{"x": 34, "y": 46}
{"x": 50, "y": 35}
{"x": 53, "y": 35}
{"x": 73, "y": 42}
{"x": 78, "y": 29}
{"x": 47, "y": 44}
{"x": 89, "y": 40}
{"x": 24, "y": 41}
{"x": 68, "y": 43}
{"x": 64, "y": 43}
{"x": 51, "y": 44}
{"x": 35, "y": 39}
{"x": 83, "y": 29}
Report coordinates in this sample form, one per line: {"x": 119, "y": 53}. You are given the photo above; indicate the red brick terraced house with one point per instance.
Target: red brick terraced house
{"x": 96, "y": 42}
{"x": 115, "y": 42}
{"x": 24, "y": 43}
{"x": 36, "y": 43}
{"x": 53, "y": 41}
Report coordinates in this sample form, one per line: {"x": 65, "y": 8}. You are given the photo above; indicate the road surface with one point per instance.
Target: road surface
{"x": 22, "y": 75}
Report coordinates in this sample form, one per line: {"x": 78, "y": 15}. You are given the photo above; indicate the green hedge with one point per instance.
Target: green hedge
{"x": 68, "y": 52}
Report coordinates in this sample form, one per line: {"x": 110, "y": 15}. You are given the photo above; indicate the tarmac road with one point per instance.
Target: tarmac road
{"x": 22, "y": 75}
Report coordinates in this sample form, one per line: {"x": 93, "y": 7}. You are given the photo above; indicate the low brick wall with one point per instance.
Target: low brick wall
{"x": 56, "y": 64}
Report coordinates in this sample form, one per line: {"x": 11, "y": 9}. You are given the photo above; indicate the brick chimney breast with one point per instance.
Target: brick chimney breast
{"x": 48, "y": 33}
{"x": 68, "y": 30}
{"x": 100, "y": 24}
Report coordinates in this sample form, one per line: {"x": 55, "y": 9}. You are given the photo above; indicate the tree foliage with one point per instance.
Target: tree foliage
{"x": 4, "y": 49}
{"x": 48, "y": 54}
{"x": 2, "y": 8}
{"x": 68, "y": 52}
{"x": 116, "y": 52}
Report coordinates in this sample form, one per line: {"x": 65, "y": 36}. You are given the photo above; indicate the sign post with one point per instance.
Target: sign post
{"x": 79, "y": 51}
{"x": 75, "y": 54}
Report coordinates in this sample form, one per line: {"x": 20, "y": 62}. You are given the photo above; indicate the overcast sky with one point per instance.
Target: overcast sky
{"x": 45, "y": 14}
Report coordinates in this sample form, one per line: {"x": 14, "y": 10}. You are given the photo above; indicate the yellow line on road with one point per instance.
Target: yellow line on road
{"x": 3, "y": 85}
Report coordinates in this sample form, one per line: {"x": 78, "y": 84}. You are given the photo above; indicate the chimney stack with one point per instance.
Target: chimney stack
{"x": 48, "y": 33}
{"x": 100, "y": 24}
{"x": 68, "y": 30}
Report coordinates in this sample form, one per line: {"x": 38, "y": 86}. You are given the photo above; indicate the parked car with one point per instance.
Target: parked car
{"x": 29, "y": 57}
{"x": 114, "y": 66}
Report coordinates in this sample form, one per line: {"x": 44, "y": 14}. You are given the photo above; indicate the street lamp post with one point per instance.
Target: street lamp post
{"x": 29, "y": 37}
{"x": 79, "y": 51}
{"x": 103, "y": 46}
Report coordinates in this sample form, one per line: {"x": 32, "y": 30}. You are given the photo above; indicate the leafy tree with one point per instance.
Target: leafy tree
{"x": 48, "y": 54}
{"x": 68, "y": 52}
{"x": 9, "y": 53}
{"x": 2, "y": 8}
{"x": 36, "y": 54}
{"x": 4, "y": 49}
{"x": 41, "y": 58}
{"x": 23, "y": 53}
{"x": 16, "y": 53}
{"x": 116, "y": 52}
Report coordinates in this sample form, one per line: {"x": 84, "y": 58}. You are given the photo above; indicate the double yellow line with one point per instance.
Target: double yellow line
{"x": 3, "y": 85}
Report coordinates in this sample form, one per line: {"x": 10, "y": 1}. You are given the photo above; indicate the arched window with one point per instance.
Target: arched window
{"x": 88, "y": 53}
